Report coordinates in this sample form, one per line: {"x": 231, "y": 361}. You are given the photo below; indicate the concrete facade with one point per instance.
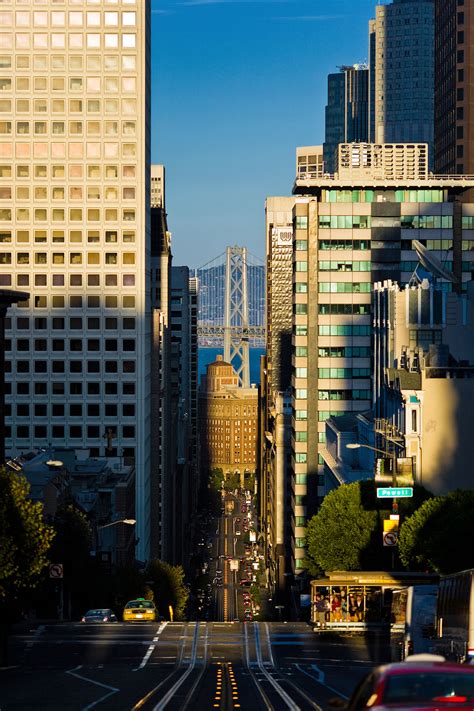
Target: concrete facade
{"x": 228, "y": 422}
{"x": 454, "y": 74}
{"x": 401, "y": 40}
{"x": 75, "y": 231}
{"x": 424, "y": 378}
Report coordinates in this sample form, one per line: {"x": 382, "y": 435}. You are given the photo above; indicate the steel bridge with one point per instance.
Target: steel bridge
{"x": 232, "y": 307}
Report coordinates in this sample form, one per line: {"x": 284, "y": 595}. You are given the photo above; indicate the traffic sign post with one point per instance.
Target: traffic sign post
{"x": 395, "y": 493}
{"x": 56, "y": 571}
{"x": 390, "y": 539}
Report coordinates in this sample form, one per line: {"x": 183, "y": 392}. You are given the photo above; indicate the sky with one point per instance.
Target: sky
{"x": 236, "y": 86}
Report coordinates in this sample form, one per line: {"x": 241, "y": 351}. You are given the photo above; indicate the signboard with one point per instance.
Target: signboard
{"x": 390, "y": 539}
{"x": 395, "y": 493}
{"x": 56, "y": 571}
{"x": 252, "y": 537}
{"x": 234, "y": 564}
{"x": 283, "y": 236}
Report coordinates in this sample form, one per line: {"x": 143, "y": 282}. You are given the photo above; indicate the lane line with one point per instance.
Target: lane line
{"x": 171, "y": 692}
{"x": 321, "y": 679}
{"x": 111, "y": 689}
{"x": 280, "y": 691}
{"x": 179, "y": 661}
{"x": 151, "y": 648}
{"x": 267, "y": 632}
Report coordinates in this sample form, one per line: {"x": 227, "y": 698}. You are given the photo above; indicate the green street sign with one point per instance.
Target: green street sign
{"x": 395, "y": 493}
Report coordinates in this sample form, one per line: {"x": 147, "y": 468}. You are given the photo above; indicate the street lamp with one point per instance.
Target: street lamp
{"x": 127, "y": 521}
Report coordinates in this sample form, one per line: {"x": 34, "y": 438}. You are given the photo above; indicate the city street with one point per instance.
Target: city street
{"x": 181, "y": 665}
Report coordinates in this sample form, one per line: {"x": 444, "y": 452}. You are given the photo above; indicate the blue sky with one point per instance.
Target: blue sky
{"x": 236, "y": 86}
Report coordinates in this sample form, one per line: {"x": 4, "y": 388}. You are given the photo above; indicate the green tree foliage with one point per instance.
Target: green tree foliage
{"x": 216, "y": 479}
{"x": 346, "y": 534}
{"x": 167, "y": 584}
{"x": 25, "y": 539}
{"x": 438, "y": 536}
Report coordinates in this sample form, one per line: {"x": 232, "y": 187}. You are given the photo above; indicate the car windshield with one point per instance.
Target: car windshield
{"x": 449, "y": 687}
{"x": 140, "y": 603}
{"x": 100, "y": 612}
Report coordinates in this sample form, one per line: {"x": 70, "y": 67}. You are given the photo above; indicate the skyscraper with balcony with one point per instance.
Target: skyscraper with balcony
{"x": 401, "y": 45}
{"x": 75, "y": 228}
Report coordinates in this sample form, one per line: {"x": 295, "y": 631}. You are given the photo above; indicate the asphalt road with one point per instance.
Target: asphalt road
{"x": 194, "y": 665}
{"x": 191, "y": 665}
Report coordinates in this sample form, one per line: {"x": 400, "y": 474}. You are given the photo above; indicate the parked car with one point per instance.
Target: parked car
{"x": 423, "y": 681}
{"x": 100, "y": 614}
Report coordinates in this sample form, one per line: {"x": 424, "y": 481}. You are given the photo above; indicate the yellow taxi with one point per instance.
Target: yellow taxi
{"x": 141, "y": 610}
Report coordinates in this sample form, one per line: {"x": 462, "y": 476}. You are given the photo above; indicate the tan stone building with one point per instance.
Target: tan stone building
{"x": 228, "y": 421}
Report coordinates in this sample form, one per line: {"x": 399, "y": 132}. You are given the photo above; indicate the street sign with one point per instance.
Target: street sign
{"x": 395, "y": 493}
{"x": 390, "y": 539}
{"x": 56, "y": 571}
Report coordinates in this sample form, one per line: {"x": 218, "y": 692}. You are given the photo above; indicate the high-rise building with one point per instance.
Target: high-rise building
{"x": 162, "y": 453}
{"x": 454, "y": 72}
{"x": 75, "y": 189}
{"x": 351, "y": 231}
{"x": 183, "y": 383}
{"x": 276, "y": 482}
{"x": 401, "y": 46}
{"x": 347, "y": 108}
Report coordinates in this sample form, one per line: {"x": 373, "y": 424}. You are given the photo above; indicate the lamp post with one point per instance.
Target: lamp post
{"x": 127, "y": 521}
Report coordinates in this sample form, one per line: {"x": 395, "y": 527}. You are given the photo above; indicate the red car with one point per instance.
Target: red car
{"x": 418, "y": 684}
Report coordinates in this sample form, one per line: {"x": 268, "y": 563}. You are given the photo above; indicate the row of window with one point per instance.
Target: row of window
{"x": 344, "y": 330}
{"x": 344, "y": 352}
{"x": 75, "y": 280}
{"x": 60, "y": 432}
{"x": 72, "y": 410}
{"x": 73, "y": 366}
{"x": 115, "y": 107}
{"x": 344, "y": 266}
{"x": 345, "y": 222}
{"x": 357, "y": 244}
{"x": 73, "y": 150}
{"x": 71, "y": 40}
{"x": 348, "y": 309}
{"x": 73, "y": 258}
{"x": 353, "y": 196}
{"x": 74, "y": 18}
{"x": 75, "y": 345}
{"x": 345, "y": 287}
{"x": 75, "y": 171}
{"x": 344, "y": 373}
{"x": 74, "y": 388}
{"x": 70, "y": 236}
{"x": 426, "y": 222}
{"x": 344, "y": 394}
{"x": 91, "y": 84}
{"x": 108, "y": 193}
{"x": 75, "y": 323}
{"x": 74, "y": 214}
{"x": 73, "y": 63}
{"x": 78, "y": 302}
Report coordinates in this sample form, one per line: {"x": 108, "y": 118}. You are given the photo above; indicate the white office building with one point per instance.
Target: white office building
{"x": 74, "y": 228}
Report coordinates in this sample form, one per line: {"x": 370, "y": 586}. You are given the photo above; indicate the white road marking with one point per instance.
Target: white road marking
{"x": 151, "y": 648}
{"x": 112, "y": 689}
{"x": 36, "y": 636}
{"x": 320, "y": 679}
{"x": 171, "y": 692}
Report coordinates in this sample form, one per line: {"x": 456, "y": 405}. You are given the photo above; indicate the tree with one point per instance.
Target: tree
{"x": 25, "y": 538}
{"x": 438, "y": 536}
{"x": 346, "y": 532}
{"x": 167, "y": 583}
